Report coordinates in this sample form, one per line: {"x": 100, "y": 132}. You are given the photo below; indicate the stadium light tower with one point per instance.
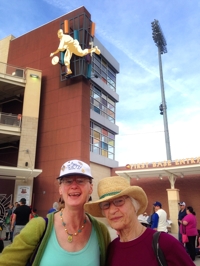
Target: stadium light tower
{"x": 160, "y": 42}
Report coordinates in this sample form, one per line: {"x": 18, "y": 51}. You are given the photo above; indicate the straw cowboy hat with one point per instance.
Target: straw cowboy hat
{"x": 114, "y": 187}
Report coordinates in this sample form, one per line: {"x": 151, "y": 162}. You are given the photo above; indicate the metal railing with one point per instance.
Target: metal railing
{"x": 12, "y": 70}
{"x": 10, "y": 119}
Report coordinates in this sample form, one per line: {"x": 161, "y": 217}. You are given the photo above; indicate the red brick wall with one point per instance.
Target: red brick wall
{"x": 7, "y": 187}
{"x": 64, "y": 122}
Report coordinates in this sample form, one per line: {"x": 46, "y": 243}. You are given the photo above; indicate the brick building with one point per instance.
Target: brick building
{"x": 47, "y": 117}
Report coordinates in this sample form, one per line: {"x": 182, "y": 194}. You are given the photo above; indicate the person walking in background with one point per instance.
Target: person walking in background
{"x": 121, "y": 203}
{"x": 153, "y": 220}
{"x": 33, "y": 214}
{"x": 161, "y": 223}
{"x": 181, "y": 214}
{"x": 198, "y": 244}
{"x": 54, "y": 208}
{"x": 190, "y": 223}
{"x": 143, "y": 219}
{"x": 16, "y": 205}
{"x": 21, "y": 216}
{"x": 8, "y": 222}
{"x": 11, "y": 218}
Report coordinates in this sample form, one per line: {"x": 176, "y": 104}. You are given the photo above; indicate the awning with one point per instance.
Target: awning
{"x": 170, "y": 172}
{"x": 7, "y": 172}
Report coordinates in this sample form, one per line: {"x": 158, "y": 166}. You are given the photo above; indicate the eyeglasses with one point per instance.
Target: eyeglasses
{"x": 117, "y": 202}
{"x": 79, "y": 181}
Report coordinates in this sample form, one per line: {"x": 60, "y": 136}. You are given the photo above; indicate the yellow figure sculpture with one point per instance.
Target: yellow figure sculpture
{"x": 72, "y": 47}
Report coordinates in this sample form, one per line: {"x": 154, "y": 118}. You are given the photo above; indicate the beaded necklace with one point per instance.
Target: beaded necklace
{"x": 70, "y": 236}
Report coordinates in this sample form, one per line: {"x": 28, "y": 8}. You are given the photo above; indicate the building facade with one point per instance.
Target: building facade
{"x": 49, "y": 117}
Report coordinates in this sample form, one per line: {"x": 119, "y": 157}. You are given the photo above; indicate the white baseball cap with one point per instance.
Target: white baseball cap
{"x": 182, "y": 203}
{"x": 75, "y": 167}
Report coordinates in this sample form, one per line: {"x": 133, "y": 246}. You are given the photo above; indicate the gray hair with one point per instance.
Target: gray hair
{"x": 135, "y": 203}
{"x": 55, "y": 205}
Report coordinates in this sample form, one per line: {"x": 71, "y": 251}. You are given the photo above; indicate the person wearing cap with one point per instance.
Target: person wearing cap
{"x": 181, "y": 214}
{"x": 160, "y": 223}
{"x": 20, "y": 217}
{"x": 143, "y": 219}
{"x": 121, "y": 204}
{"x": 72, "y": 237}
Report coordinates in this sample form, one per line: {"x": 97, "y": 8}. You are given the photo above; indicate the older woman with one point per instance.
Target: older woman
{"x": 121, "y": 203}
{"x": 72, "y": 237}
{"x": 189, "y": 223}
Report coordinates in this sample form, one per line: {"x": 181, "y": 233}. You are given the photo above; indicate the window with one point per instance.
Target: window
{"x": 104, "y": 70}
{"x": 102, "y": 104}
{"x": 102, "y": 141}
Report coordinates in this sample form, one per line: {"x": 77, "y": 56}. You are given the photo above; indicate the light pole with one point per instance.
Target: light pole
{"x": 160, "y": 42}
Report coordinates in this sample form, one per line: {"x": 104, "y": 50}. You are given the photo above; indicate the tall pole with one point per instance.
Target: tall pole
{"x": 160, "y": 42}
{"x": 164, "y": 106}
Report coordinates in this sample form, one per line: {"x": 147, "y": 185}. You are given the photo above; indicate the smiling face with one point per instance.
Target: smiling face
{"x": 121, "y": 217}
{"x": 75, "y": 190}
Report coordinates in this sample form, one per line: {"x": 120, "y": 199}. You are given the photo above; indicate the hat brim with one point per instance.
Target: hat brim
{"x": 71, "y": 174}
{"x": 134, "y": 192}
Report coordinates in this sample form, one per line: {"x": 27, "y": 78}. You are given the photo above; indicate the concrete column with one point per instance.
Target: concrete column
{"x": 29, "y": 128}
{"x": 173, "y": 200}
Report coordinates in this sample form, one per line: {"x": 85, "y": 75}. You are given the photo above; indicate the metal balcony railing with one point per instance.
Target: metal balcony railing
{"x": 12, "y": 70}
{"x": 10, "y": 119}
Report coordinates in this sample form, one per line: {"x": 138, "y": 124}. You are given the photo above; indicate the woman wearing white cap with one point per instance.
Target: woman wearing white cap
{"x": 72, "y": 237}
{"x": 121, "y": 203}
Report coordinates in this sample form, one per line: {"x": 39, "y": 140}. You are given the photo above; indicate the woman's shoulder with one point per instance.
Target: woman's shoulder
{"x": 189, "y": 217}
{"x": 99, "y": 225}
{"x": 94, "y": 221}
{"x": 34, "y": 226}
{"x": 163, "y": 237}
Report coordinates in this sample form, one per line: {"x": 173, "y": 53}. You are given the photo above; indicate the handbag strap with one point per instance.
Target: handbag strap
{"x": 31, "y": 260}
{"x": 158, "y": 252}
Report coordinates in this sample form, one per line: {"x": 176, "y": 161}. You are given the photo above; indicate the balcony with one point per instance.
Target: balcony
{"x": 10, "y": 120}
{"x": 11, "y": 71}
{"x": 12, "y": 82}
{"x": 10, "y": 128}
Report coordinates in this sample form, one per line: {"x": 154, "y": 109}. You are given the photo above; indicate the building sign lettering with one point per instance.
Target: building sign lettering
{"x": 181, "y": 162}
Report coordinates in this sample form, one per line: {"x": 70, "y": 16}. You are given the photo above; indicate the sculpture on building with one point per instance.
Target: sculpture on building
{"x": 70, "y": 46}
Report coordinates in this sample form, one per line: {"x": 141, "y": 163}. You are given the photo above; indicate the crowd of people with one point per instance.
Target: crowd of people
{"x": 71, "y": 233}
{"x": 16, "y": 217}
{"x": 187, "y": 224}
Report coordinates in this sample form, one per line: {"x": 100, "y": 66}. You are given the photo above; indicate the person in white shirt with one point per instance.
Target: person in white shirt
{"x": 161, "y": 224}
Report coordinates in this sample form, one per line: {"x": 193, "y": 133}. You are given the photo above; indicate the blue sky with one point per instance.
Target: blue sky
{"x": 124, "y": 27}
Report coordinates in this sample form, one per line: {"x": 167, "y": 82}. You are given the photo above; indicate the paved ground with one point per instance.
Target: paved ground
{"x": 113, "y": 235}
